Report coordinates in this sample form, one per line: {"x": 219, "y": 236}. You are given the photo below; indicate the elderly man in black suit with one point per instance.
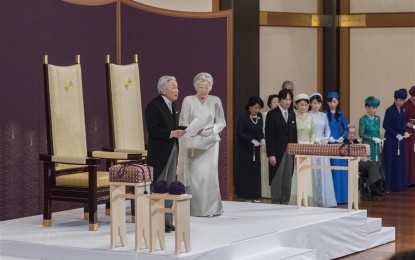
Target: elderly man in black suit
{"x": 163, "y": 133}
{"x": 280, "y": 129}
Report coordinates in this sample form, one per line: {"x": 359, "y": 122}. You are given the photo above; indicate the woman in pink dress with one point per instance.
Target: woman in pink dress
{"x": 409, "y": 106}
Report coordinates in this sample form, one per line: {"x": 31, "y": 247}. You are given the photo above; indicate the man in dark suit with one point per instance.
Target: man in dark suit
{"x": 280, "y": 129}
{"x": 163, "y": 133}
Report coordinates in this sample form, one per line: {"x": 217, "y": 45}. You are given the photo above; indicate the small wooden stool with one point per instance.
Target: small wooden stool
{"x": 181, "y": 212}
{"x": 118, "y": 219}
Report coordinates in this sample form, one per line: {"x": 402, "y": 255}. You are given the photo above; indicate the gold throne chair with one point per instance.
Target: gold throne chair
{"x": 70, "y": 171}
{"x": 125, "y": 112}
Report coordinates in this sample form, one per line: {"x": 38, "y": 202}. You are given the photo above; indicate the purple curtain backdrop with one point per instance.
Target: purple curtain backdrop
{"x": 30, "y": 29}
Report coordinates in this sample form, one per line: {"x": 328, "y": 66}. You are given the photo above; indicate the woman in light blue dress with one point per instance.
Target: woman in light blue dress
{"x": 323, "y": 178}
{"x": 339, "y": 130}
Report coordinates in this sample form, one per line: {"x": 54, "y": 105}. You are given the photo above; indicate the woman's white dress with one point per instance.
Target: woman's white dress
{"x": 198, "y": 155}
{"x": 323, "y": 177}
{"x": 305, "y": 135}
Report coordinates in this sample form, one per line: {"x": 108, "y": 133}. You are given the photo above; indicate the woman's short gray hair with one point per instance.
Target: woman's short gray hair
{"x": 162, "y": 84}
{"x": 203, "y": 77}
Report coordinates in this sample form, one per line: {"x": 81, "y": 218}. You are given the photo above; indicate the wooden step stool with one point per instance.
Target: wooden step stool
{"x": 181, "y": 213}
{"x": 118, "y": 219}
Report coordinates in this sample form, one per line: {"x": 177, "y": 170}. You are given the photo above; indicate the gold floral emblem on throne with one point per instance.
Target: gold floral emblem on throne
{"x": 68, "y": 86}
{"x": 128, "y": 84}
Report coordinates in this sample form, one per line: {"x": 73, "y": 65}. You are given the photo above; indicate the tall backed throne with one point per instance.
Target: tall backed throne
{"x": 70, "y": 172}
{"x": 125, "y": 110}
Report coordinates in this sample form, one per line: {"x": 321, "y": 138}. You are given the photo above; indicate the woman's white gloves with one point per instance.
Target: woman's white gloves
{"x": 206, "y": 133}
{"x": 255, "y": 142}
{"x": 376, "y": 140}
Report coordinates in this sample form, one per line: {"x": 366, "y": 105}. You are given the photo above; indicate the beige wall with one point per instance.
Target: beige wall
{"x": 294, "y": 6}
{"x": 181, "y": 5}
{"x": 381, "y": 6}
{"x": 287, "y": 54}
{"x": 382, "y": 60}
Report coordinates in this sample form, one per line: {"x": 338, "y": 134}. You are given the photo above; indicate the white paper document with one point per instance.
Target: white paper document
{"x": 196, "y": 125}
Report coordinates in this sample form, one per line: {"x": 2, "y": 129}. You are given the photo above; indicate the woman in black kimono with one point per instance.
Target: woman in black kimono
{"x": 248, "y": 163}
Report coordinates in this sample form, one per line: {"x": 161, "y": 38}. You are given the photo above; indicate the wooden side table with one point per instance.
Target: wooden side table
{"x": 118, "y": 219}
{"x": 181, "y": 213}
{"x": 352, "y": 171}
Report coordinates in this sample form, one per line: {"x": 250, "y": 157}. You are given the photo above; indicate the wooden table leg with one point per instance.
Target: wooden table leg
{"x": 142, "y": 225}
{"x": 118, "y": 226}
{"x": 182, "y": 221}
{"x": 157, "y": 224}
{"x": 301, "y": 183}
{"x": 353, "y": 179}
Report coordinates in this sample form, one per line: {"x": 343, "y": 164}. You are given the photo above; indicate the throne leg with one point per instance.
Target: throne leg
{"x": 107, "y": 208}
{"x": 47, "y": 213}
{"x": 93, "y": 216}
{"x": 86, "y": 211}
{"x": 47, "y": 202}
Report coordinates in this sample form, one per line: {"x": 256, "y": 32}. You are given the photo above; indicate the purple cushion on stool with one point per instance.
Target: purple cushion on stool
{"x": 161, "y": 187}
{"x": 177, "y": 188}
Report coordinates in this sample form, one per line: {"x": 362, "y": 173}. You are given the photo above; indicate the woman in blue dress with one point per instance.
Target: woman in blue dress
{"x": 339, "y": 130}
{"x": 394, "y": 149}
{"x": 322, "y": 177}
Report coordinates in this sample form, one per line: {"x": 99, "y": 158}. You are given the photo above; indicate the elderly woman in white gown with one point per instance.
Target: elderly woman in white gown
{"x": 198, "y": 155}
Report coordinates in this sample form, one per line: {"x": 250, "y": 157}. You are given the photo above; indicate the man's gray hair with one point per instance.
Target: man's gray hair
{"x": 285, "y": 83}
{"x": 162, "y": 84}
{"x": 351, "y": 126}
{"x": 203, "y": 77}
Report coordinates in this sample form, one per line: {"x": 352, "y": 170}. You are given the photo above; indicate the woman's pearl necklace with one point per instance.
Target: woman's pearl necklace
{"x": 252, "y": 119}
{"x": 304, "y": 115}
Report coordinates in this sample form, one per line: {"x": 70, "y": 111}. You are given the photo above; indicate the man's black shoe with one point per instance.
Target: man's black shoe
{"x": 377, "y": 193}
{"x": 383, "y": 191}
{"x": 167, "y": 229}
{"x": 171, "y": 227}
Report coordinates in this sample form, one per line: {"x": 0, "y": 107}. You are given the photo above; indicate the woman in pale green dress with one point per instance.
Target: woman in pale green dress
{"x": 305, "y": 135}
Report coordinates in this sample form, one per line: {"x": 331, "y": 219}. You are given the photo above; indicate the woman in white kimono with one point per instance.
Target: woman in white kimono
{"x": 305, "y": 135}
{"x": 198, "y": 155}
{"x": 323, "y": 177}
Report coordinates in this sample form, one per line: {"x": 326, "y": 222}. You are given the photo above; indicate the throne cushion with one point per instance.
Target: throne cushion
{"x": 357, "y": 150}
{"x": 81, "y": 179}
